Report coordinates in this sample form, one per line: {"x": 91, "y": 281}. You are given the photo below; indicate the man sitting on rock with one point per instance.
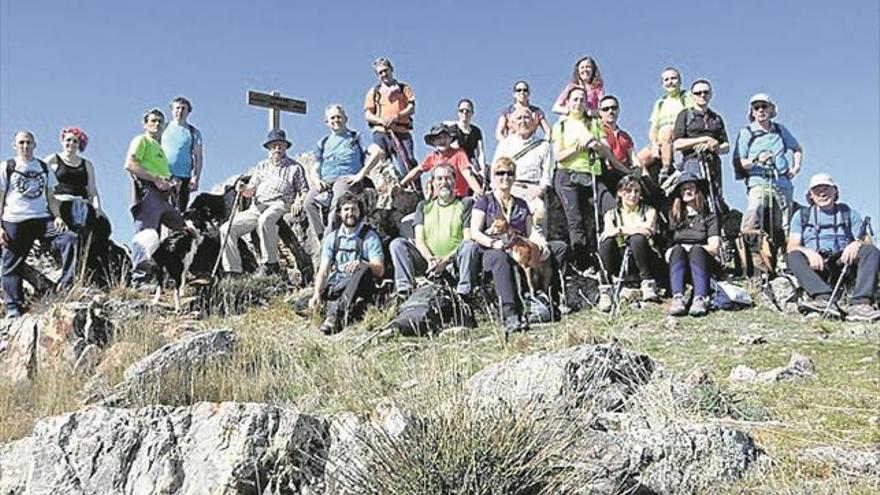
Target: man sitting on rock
{"x": 442, "y": 225}
{"x": 351, "y": 261}
{"x": 440, "y": 138}
{"x": 277, "y": 185}
{"x": 826, "y": 238}
{"x": 30, "y": 211}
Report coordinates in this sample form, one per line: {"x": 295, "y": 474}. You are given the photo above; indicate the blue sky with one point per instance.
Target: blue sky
{"x": 100, "y": 64}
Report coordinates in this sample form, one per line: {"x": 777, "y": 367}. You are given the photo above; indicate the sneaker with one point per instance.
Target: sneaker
{"x": 649, "y": 291}
{"x": 12, "y": 313}
{"x": 605, "y": 303}
{"x": 512, "y": 323}
{"x": 330, "y": 325}
{"x": 862, "y": 312}
{"x": 677, "y": 308}
{"x": 698, "y": 307}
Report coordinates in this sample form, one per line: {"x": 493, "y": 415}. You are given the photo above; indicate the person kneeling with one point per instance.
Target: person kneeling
{"x": 629, "y": 226}
{"x": 351, "y": 261}
{"x": 441, "y": 234}
{"x": 500, "y": 207}
{"x": 829, "y": 237}
{"x": 696, "y": 239}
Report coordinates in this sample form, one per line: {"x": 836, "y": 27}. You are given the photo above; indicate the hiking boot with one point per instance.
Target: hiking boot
{"x": 698, "y": 306}
{"x": 862, "y": 312}
{"x": 605, "y": 302}
{"x": 677, "y": 308}
{"x": 268, "y": 269}
{"x": 512, "y": 323}
{"x": 649, "y": 291}
{"x": 12, "y": 313}
{"x": 330, "y": 325}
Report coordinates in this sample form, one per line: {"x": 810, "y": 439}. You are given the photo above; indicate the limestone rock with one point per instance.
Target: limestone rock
{"x": 226, "y": 448}
{"x": 174, "y": 361}
{"x": 798, "y": 366}
{"x": 848, "y": 460}
{"x": 602, "y": 376}
{"x": 18, "y": 358}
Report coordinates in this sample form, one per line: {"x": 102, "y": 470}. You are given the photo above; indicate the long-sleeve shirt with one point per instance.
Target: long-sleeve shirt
{"x": 279, "y": 181}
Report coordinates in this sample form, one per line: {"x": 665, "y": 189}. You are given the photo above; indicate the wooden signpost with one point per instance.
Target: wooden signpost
{"x": 276, "y": 104}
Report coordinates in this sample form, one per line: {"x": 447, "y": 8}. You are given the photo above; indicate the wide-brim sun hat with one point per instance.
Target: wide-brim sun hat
{"x": 274, "y": 136}
{"x": 435, "y": 132}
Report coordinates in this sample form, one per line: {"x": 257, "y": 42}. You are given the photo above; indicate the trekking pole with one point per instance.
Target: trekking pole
{"x": 235, "y": 203}
{"x": 835, "y": 293}
{"x": 713, "y": 200}
{"x": 618, "y": 284}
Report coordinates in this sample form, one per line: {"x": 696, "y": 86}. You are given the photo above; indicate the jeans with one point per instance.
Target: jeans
{"x": 409, "y": 263}
{"x": 21, "y": 237}
{"x": 344, "y": 291}
{"x": 696, "y": 262}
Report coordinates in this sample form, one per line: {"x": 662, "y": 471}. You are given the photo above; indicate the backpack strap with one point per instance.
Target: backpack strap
{"x": 529, "y": 147}
{"x": 192, "y": 141}
{"x": 359, "y": 242}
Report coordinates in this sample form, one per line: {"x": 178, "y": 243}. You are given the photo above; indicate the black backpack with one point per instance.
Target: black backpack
{"x": 809, "y": 216}
{"x": 10, "y": 169}
{"x": 739, "y": 172}
{"x": 430, "y": 309}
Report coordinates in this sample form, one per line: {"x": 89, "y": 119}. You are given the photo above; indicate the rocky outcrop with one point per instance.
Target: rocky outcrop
{"x": 848, "y": 461}
{"x": 175, "y": 361}
{"x": 799, "y": 366}
{"x": 226, "y": 448}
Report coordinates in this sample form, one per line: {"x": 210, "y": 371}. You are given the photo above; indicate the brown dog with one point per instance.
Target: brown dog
{"x": 526, "y": 253}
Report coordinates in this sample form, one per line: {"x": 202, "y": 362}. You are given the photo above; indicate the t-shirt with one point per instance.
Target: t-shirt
{"x": 701, "y": 124}
{"x": 390, "y": 102}
{"x": 150, "y": 155}
{"x": 178, "y": 142}
{"x": 620, "y": 142}
{"x": 779, "y": 142}
{"x": 517, "y": 217}
{"x": 666, "y": 109}
{"x": 831, "y": 232}
{"x": 339, "y": 155}
{"x": 535, "y": 166}
{"x": 537, "y": 117}
{"x": 696, "y": 228}
{"x": 371, "y": 249}
{"x": 468, "y": 141}
{"x": 570, "y": 129}
{"x": 443, "y": 225}
{"x": 594, "y": 95}
{"x": 26, "y": 191}
{"x": 457, "y": 159}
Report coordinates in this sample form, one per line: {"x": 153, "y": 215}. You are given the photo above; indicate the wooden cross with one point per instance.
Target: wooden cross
{"x": 275, "y": 103}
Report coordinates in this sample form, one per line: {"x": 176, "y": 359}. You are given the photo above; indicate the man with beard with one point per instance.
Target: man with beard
{"x": 441, "y": 231}
{"x": 351, "y": 261}
{"x": 277, "y": 185}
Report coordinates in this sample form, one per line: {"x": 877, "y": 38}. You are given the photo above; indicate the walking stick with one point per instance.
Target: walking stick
{"x": 713, "y": 201}
{"x": 864, "y": 230}
{"x": 596, "y": 231}
{"x": 235, "y": 203}
{"x": 618, "y": 284}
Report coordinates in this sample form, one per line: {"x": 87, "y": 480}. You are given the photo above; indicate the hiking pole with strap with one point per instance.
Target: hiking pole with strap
{"x": 596, "y": 231}
{"x": 713, "y": 201}
{"x": 864, "y": 230}
{"x": 235, "y": 203}
{"x": 618, "y": 284}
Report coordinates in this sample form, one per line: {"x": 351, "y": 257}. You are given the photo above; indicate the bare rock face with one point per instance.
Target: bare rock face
{"x": 67, "y": 336}
{"x": 177, "y": 359}
{"x": 848, "y": 461}
{"x": 226, "y": 448}
{"x": 601, "y": 375}
{"x": 798, "y": 367}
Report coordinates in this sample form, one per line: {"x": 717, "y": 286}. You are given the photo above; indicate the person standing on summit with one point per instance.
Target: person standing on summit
{"x": 388, "y": 109}
{"x": 182, "y": 144}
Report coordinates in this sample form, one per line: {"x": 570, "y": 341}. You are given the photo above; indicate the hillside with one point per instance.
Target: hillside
{"x": 271, "y": 356}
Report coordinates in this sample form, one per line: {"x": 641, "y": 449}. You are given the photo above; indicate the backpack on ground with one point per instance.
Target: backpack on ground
{"x": 728, "y": 297}
{"x": 580, "y": 292}
{"x": 430, "y": 309}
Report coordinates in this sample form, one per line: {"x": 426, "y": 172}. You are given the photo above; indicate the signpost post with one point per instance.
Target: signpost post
{"x": 276, "y": 104}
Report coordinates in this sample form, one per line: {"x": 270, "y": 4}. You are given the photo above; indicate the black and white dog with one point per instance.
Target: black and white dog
{"x": 177, "y": 252}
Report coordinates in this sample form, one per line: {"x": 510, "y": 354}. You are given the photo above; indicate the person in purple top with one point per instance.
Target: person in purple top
{"x": 585, "y": 76}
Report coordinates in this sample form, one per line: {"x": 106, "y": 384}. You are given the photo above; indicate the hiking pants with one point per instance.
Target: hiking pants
{"x": 814, "y": 283}
{"x": 326, "y": 200}
{"x": 261, "y": 216}
{"x": 757, "y": 200}
{"x": 21, "y": 237}
{"x": 408, "y": 263}
{"x": 612, "y": 255}
{"x": 151, "y": 212}
{"x": 576, "y": 193}
{"x": 696, "y": 262}
{"x": 500, "y": 265}
{"x": 344, "y": 292}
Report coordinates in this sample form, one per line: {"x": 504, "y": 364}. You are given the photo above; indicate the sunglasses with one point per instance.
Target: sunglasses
{"x": 465, "y": 110}
{"x": 609, "y": 108}
{"x": 521, "y": 90}
{"x": 504, "y": 173}
{"x": 25, "y": 142}
{"x": 760, "y": 106}
{"x": 702, "y": 93}
{"x": 71, "y": 140}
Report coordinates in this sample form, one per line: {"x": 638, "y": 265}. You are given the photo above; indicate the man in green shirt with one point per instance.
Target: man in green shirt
{"x": 151, "y": 206}
{"x": 441, "y": 235}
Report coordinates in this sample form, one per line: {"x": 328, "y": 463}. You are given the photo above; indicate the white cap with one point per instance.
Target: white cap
{"x": 822, "y": 180}
{"x": 764, "y": 97}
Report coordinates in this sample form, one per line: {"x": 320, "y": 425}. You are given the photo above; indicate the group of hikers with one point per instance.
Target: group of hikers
{"x": 654, "y": 217}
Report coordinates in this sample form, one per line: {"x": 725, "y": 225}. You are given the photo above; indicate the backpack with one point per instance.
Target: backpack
{"x": 739, "y": 172}
{"x": 10, "y": 168}
{"x": 728, "y": 297}
{"x": 813, "y": 211}
{"x": 377, "y": 97}
{"x": 359, "y": 243}
{"x": 356, "y": 143}
{"x": 430, "y": 309}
